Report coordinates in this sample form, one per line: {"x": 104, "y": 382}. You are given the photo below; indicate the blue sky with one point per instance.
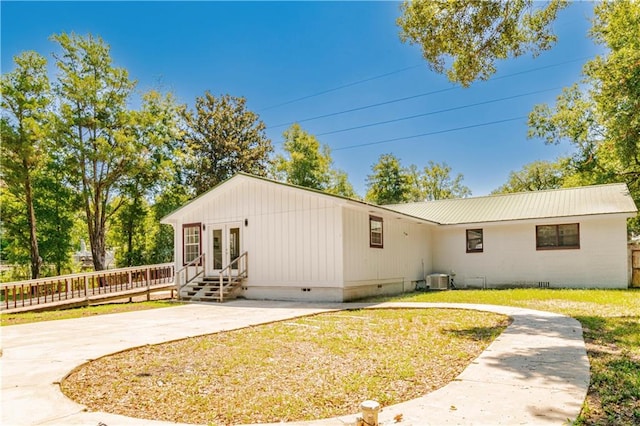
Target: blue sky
{"x": 273, "y": 53}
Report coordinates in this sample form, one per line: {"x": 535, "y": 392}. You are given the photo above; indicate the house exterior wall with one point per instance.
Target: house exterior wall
{"x": 404, "y": 258}
{"x": 510, "y": 258}
{"x": 293, "y": 238}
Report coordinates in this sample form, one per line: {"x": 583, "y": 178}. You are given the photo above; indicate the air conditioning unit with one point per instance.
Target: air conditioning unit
{"x": 438, "y": 281}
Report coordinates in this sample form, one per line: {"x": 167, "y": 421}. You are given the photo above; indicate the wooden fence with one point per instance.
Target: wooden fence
{"x": 84, "y": 286}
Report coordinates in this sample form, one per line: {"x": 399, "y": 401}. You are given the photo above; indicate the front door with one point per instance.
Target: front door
{"x": 224, "y": 246}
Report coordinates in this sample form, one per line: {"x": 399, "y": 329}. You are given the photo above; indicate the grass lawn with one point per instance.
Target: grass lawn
{"x": 611, "y": 324}
{"x": 610, "y": 319}
{"x": 110, "y": 308}
{"x": 300, "y": 369}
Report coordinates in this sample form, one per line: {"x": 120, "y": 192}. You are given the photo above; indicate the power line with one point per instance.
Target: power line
{"x": 339, "y": 88}
{"x": 489, "y": 123}
{"x": 423, "y": 94}
{"x": 378, "y": 123}
{"x": 365, "y": 107}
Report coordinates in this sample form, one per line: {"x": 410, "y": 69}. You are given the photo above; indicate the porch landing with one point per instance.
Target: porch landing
{"x": 536, "y": 372}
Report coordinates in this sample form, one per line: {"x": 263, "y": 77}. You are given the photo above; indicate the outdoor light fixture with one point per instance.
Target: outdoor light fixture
{"x": 246, "y": 222}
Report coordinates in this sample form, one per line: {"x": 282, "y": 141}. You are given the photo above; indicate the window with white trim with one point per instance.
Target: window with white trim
{"x": 191, "y": 242}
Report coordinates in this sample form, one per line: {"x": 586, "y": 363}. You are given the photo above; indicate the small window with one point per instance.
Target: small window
{"x": 375, "y": 232}
{"x": 474, "y": 241}
{"x": 191, "y": 242}
{"x": 550, "y": 237}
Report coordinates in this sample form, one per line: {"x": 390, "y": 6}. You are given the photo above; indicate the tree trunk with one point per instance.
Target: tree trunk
{"x": 98, "y": 250}
{"x": 36, "y": 261}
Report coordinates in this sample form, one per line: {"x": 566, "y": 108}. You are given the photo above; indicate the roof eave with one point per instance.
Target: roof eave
{"x": 628, "y": 214}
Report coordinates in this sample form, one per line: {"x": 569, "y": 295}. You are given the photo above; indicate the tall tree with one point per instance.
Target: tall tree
{"x": 536, "y": 176}
{"x": 308, "y": 163}
{"x": 339, "y": 184}
{"x": 23, "y": 126}
{"x": 223, "y": 138}
{"x": 465, "y": 38}
{"x": 15, "y": 234}
{"x": 389, "y": 182}
{"x": 435, "y": 183}
{"x": 170, "y": 198}
{"x": 57, "y": 208}
{"x": 601, "y": 117}
{"x": 97, "y": 137}
{"x": 157, "y": 130}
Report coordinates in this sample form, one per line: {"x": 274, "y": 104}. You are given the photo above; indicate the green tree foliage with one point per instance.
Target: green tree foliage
{"x": 435, "y": 183}
{"x": 308, "y": 163}
{"x": 169, "y": 199}
{"x": 339, "y": 184}
{"x": 465, "y": 38}
{"x": 56, "y": 207}
{"x": 389, "y": 182}
{"x": 536, "y": 176}
{"x": 157, "y": 131}
{"x": 15, "y": 232}
{"x": 99, "y": 136}
{"x": 601, "y": 117}
{"x": 173, "y": 194}
{"x": 223, "y": 138}
{"x": 24, "y": 130}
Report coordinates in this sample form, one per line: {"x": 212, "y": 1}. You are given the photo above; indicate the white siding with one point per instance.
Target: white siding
{"x": 404, "y": 258}
{"x": 510, "y": 258}
{"x": 294, "y": 239}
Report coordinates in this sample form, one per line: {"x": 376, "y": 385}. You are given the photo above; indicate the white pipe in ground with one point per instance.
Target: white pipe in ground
{"x": 370, "y": 411}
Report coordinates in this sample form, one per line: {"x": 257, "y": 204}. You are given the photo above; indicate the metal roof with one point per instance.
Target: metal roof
{"x": 580, "y": 201}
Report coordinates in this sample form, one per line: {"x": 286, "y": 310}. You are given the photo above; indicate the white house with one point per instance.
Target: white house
{"x": 285, "y": 242}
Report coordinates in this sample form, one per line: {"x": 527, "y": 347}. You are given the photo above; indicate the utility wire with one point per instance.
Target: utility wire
{"x": 364, "y": 107}
{"x": 488, "y": 123}
{"x": 422, "y": 94}
{"x": 378, "y": 123}
{"x": 339, "y": 87}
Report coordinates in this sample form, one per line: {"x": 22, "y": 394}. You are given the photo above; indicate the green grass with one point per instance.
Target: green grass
{"x": 610, "y": 319}
{"x": 611, "y": 324}
{"x": 110, "y": 308}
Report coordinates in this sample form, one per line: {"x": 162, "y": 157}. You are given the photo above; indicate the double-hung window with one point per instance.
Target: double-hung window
{"x": 375, "y": 232}
{"x": 191, "y": 241}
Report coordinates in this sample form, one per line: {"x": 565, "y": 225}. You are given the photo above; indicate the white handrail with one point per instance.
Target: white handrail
{"x": 197, "y": 262}
{"x": 242, "y": 260}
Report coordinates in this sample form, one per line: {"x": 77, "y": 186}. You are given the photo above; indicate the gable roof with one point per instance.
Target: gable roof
{"x": 579, "y": 201}
{"x": 567, "y": 202}
{"x": 172, "y": 217}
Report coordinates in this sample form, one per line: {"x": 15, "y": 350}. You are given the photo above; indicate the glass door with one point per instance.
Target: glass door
{"x": 234, "y": 245}
{"x": 225, "y": 246}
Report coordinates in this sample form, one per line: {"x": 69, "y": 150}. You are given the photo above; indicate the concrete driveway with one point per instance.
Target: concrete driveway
{"x": 536, "y": 372}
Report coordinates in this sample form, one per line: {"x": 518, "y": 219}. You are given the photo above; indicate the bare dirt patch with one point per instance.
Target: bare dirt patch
{"x": 302, "y": 369}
